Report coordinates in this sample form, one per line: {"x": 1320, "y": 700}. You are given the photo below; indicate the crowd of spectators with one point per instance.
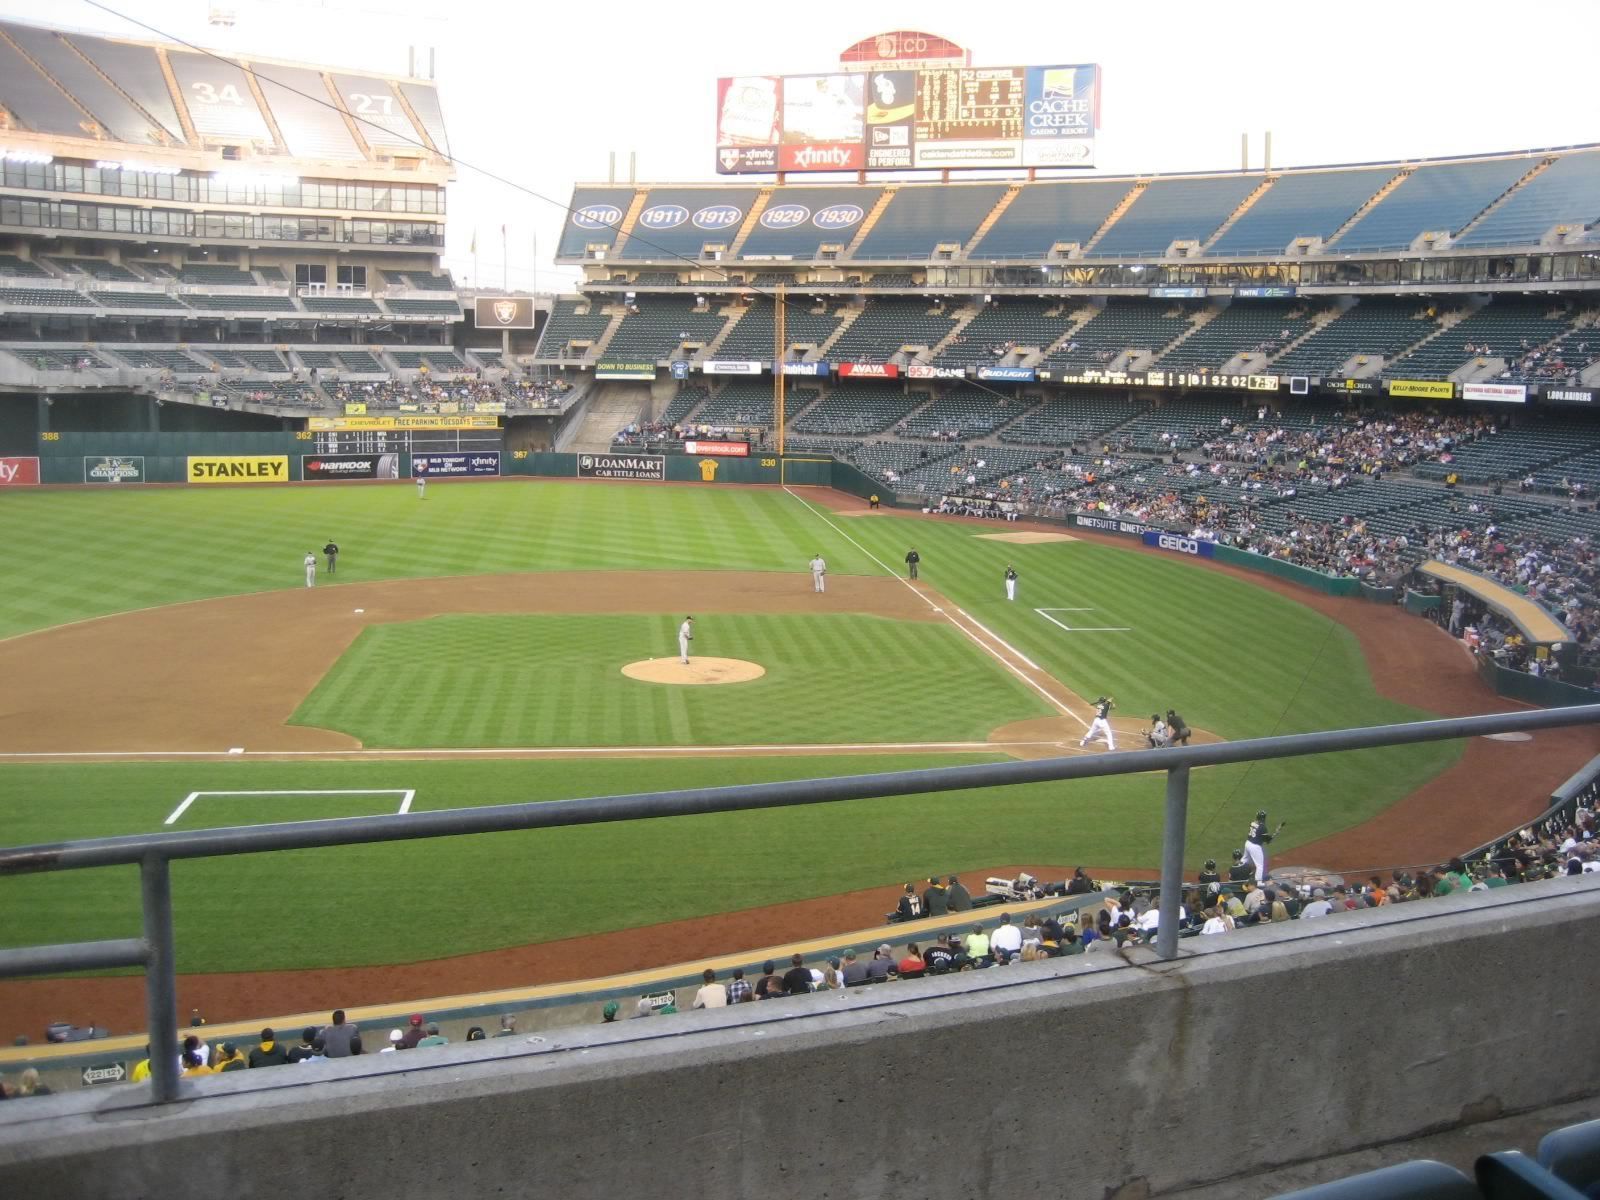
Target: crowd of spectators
{"x": 1562, "y": 361}
{"x": 647, "y": 433}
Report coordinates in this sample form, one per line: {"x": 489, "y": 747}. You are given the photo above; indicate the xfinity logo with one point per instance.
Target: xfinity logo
{"x": 822, "y": 156}
{"x": 8, "y": 470}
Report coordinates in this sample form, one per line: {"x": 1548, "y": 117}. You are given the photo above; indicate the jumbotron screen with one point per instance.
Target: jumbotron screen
{"x": 944, "y": 118}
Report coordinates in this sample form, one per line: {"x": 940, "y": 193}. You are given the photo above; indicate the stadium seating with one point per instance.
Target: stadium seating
{"x": 424, "y": 308}
{"x": 261, "y": 360}
{"x": 575, "y": 237}
{"x": 1066, "y": 420}
{"x": 226, "y": 359}
{"x": 354, "y": 305}
{"x": 16, "y": 297}
{"x": 270, "y": 275}
{"x": 1564, "y": 193}
{"x": 240, "y": 303}
{"x": 788, "y": 228}
{"x": 659, "y": 325}
{"x": 1434, "y": 197}
{"x": 136, "y": 300}
{"x": 62, "y": 360}
{"x": 427, "y": 281}
{"x": 95, "y": 268}
{"x": 655, "y": 279}
{"x": 888, "y": 324}
{"x": 1455, "y": 511}
{"x": 166, "y": 360}
{"x": 962, "y": 414}
{"x": 751, "y": 337}
{"x": 358, "y": 362}
{"x": 1123, "y": 324}
{"x": 276, "y": 391}
{"x": 1021, "y": 320}
{"x": 1259, "y": 326}
{"x": 856, "y": 409}
{"x": 318, "y": 360}
{"x": 1045, "y": 214}
{"x": 1508, "y": 325}
{"x": 20, "y": 268}
{"x": 917, "y": 219}
{"x": 1374, "y": 327}
{"x": 1169, "y": 210}
{"x": 216, "y": 275}
{"x": 1309, "y": 204}
{"x": 1512, "y": 453}
{"x": 688, "y": 235}
{"x": 683, "y": 404}
{"x": 566, "y": 326}
{"x": 971, "y": 467}
{"x": 1176, "y": 426}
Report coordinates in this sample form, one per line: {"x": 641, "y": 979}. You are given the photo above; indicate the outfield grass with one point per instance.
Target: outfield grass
{"x": 1233, "y": 658}
{"x": 544, "y": 680}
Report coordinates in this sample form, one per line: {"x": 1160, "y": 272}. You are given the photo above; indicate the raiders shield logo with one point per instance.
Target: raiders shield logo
{"x": 505, "y": 311}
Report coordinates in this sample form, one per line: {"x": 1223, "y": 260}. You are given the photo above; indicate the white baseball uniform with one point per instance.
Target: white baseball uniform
{"x": 685, "y": 636}
{"x": 422, "y": 486}
{"x": 1100, "y": 726}
{"x": 311, "y": 570}
{"x": 1011, "y": 584}
{"x": 819, "y": 571}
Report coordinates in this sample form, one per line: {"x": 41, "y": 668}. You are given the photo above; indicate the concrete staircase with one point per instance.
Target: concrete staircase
{"x": 995, "y": 214}
{"x": 847, "y": 318}
{"x": 870, "y": 221}
{"x": 1378, "y": 197}
{"x": 1245, "y": 206}
{"x": 625, "y": 229}
{"x": 964, "y": 318}
{"x": 752, "y": 218}
{"x": 1123, "y": 206}
{"x": 610, "y": 331}
{"x": 611, "y": 407}
{"x": 1079, "y": 319}
{"x": 735, "y": 314}
{"x": 1141, "y": 361}
{"x": 1538, "y": 168}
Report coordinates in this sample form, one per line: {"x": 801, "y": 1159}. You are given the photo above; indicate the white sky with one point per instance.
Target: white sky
{"x": 540, "y": 93}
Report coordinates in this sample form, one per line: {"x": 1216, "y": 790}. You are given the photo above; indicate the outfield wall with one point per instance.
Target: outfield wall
{"x": 1265, "y": 1047}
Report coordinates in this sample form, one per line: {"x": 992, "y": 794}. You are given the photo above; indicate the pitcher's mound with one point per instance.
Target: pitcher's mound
{"x": 698, "y": 670}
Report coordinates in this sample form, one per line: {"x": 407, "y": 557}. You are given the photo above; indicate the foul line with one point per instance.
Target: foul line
{"x": 1045, "y": 613}
{"x": 977, "y": 641}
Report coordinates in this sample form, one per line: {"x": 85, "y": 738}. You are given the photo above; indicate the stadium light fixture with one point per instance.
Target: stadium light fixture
{"x": 27, "y": 156}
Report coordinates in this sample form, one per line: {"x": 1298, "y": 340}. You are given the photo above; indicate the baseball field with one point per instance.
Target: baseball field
{"x": 164, "y": 667}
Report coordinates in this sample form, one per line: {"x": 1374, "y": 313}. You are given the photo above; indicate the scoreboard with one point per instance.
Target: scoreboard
{"x": 968, "y": 102}
{"x": 406, "y": 441}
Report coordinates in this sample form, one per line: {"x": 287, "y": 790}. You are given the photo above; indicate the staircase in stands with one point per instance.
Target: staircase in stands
{"x": 847, "y": 317}
{"x": 1123, "y": 206}
{"x": 964, "y": 317}
{"x": 995, "y": 214}
{"x": 1079, "y": 319}
{"x": 763, "y": 198}
{"x": 1377, "y": 198}
{"x": 625, "y": 229}
{"x": 1538, "y": 168}
{"x": 734, "y": 313}
{"x": 870, "y": 220}
{"x": 1245, "y": 206}
{"x": 610, "y": 331}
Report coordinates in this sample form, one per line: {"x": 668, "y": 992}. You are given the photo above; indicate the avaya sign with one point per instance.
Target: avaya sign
{"x": 869, "y": 370}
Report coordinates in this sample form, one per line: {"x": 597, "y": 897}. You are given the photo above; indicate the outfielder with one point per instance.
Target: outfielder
{"x": 685, "y": 636}
{"x": 1101, "y": 724}
{"x": 1255, "y": 844}
{"x": 422, "y": 487}
{"x": 1011, "y": 582}
{"x": 311, "y": 569}
{"x": 819, "y": 572}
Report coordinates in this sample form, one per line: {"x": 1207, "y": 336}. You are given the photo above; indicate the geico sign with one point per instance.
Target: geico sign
{"x": 1181, "y": 544}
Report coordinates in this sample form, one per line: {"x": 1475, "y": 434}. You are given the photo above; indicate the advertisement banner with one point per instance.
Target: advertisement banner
{"x": 403, "y": 421}
{"x": 811, "y": 368}
{"x": 625, "y": 370}
{"x": 318, "y": 468}
{"x": 238, "y": 468}
{"x": 111, "y": 468}
{"x": 929, "y": 115}
{"x": 869, "y": 371}
{"x": 1264, "y": 293}
{"x": 1178, "y": 293}
{"x": 355, "y": 408}
{"x": 1061, "y": 115}
{"x": 446, "y": 466}
{"x": 718, "y": 449}
{"x": 1357, "y": 387}
{"x": 503, "y": 312}
{"x": 1495, "y": 393}
{"x": 924, "y": 371}
{"x": 1178, "y": 544}
{"x": 1112, "y": 525}
{"x": 622, "y": 466}
{"x": 1423, "y": 389}
{"x": 723, "y": 366}
{"x": 823, "y": 120}
{"x": 489, "y": 406}
{"x": 19, "y": 472}
{"x": 1568, "y": 395}
{"x": 1008, "y": 374}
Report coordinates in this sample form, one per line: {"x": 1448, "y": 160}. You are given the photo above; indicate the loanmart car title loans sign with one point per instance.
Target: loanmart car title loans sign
{"x": 905, "y": 117}
{"x": 622, "y": 466}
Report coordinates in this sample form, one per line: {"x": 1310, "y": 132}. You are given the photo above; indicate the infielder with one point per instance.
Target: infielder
{"x": 1255, "y": 845}
{"x": 685, "y": 636}
{"x": 1011, "y": 582}
{"x": 1101, "y": 724}
{"x": 819, "y": 572}
{"x": 311, "y": 569}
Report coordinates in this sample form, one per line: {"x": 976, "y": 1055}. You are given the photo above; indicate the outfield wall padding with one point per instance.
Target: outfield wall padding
{"x": 1531, "y": 689}
{"x": 831, "y": 1094}
{"x": 1332, "y": 585}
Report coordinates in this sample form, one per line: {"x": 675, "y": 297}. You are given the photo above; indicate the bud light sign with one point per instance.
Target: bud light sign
{"x": 1199, "y": 547}
{"x": 597, "y": 216}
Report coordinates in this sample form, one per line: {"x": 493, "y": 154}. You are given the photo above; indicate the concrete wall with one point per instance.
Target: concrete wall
{"x": 1105, "y": 1075}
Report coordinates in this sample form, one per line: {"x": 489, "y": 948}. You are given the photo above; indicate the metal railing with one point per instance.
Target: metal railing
{"x": 153, "y": 853}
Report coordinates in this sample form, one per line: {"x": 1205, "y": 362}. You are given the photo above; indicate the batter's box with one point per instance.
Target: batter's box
{"x": 406, "y": 796}
{"x": 1059, "y": 624}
